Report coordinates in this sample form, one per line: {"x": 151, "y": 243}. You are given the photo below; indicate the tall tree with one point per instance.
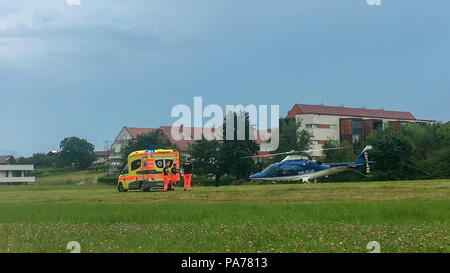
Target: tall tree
{"x": 393, "y": 154}
{"x": 41, "y": 160}
{"x": 233, "y": 151}
{"x": 76, "y": 152}
{"x": 292, "y": 137}
{"x": 342, "y": 155}
{"x": 425, "y": 138}
{"x": 206, "y": 158}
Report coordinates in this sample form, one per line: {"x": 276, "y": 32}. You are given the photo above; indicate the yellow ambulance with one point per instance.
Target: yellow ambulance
{"x": 144, "y": 169}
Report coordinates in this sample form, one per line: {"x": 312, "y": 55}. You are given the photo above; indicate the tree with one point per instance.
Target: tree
{"x": 41, "y": 160}
{"x": 143, "y": 142}
{"x": 206, "y": 158}
{"x": 233, "y": 151}
{"x": 292, "y": 137}
{"x": 25, "y": 161}
{"x": 342, "y": 155}
{"x": 425, "y": 138}
{"x": 76, "y": 152}
{"x": 431, "y": 150}
{"x": 12, "y": 160}
{"x": 393, "y": 154}
{"x": 437, "y": 165}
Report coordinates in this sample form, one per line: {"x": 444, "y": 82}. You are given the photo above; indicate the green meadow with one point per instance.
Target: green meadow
{"x": 403, "y": 216}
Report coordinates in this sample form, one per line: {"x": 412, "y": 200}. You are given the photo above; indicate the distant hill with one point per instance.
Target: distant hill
{"x": 9, "y": 152}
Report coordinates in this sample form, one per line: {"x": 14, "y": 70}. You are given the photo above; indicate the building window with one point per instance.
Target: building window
{"x": 333, "y": 126}
{"x": 357, "y": 134}
{"x": 312, "y": 126}
{"x": 376, "y": 124}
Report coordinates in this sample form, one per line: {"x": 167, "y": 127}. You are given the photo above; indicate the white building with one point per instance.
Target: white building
{"x": 344, "y": 123}
{"x": 15, "y": 174}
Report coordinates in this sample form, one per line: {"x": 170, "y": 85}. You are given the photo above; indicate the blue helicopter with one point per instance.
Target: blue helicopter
{"x": 300, "y": 168}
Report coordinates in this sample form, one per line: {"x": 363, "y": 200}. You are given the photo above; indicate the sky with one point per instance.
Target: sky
{"x": 88, "y": 70}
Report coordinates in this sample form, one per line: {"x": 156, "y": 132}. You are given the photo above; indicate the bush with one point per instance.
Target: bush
{"x": 98, "y": 168}
{"x": 40, "y": 172}
{"x": 240, "y": 182}
{"x": 109, "y": 180}
{"x": 225, "y": 180}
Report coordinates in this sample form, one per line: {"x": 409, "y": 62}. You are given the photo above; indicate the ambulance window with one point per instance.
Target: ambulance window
{"x": 170, "y": 161}
{"x": 135, "y": 164}
{"x": 125, "y": 170}
{"x": 160, "y": 163}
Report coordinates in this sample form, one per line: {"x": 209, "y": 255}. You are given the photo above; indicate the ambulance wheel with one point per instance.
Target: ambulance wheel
{"x": 120, "y": 188}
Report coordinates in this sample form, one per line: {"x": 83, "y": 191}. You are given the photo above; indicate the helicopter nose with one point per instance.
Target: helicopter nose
{"x": 255, "y": 176}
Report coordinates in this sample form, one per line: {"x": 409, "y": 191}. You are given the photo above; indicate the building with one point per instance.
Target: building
{"x": 165, "y": 132}
{"x": 344, "y": 123}
{"x": 121, "y": 141}
{"x": 16, "y": 174}
{"x": 4, "y": 159}
{"x": 101, "y": 157}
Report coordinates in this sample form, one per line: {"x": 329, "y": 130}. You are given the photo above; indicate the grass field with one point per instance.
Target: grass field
{"x": 403, "y": 216}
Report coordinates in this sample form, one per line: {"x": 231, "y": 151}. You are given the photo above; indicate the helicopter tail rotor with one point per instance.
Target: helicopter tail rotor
{"x": 364, "y": 158}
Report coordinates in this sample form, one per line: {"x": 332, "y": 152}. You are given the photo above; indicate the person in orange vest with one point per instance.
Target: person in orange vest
{"x": 187, "y": 167}
{"x": 173, "y": 175}
{"x": 166, "y": 175}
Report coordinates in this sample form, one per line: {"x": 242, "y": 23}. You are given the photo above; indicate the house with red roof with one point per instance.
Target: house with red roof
{"x": 181, "y": 137}
{"x": 345, "y": 123}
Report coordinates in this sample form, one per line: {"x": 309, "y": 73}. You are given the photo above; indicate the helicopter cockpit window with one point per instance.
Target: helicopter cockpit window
{"x": 269, "y": 170}
{"x": 286, "y": 171}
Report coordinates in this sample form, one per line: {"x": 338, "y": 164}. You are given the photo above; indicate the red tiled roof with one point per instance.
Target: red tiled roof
{"x": 101, "y": 153}
{"x": 140, "y": 131}
{"x": 4, "y": 158}
{"x": 188, "y": 136}
{"x": 347, "y": 111}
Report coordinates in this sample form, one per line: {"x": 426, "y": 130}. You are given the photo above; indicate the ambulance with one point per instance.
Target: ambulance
{"x": 144, "y": 169}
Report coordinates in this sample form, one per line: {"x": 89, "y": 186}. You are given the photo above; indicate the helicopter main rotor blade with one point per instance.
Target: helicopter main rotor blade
{"x": 293, "y": 152}
{"x": 269, "y": 155}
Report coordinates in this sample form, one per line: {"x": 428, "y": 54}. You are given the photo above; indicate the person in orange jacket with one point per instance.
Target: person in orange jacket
{"x": 187, "y": 167}
{"x": 173, "y": 175}
{"x": 166, "y": 176}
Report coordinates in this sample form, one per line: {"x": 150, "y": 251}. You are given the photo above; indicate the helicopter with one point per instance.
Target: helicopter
{"x": 300, "y": 168}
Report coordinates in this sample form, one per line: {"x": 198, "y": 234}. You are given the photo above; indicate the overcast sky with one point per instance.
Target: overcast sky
{"x": 89, "y": 70}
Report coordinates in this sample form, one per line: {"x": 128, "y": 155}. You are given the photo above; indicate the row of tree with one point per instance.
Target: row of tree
{"x": 417, "y": 151}
{"x": 74, "y": 152}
